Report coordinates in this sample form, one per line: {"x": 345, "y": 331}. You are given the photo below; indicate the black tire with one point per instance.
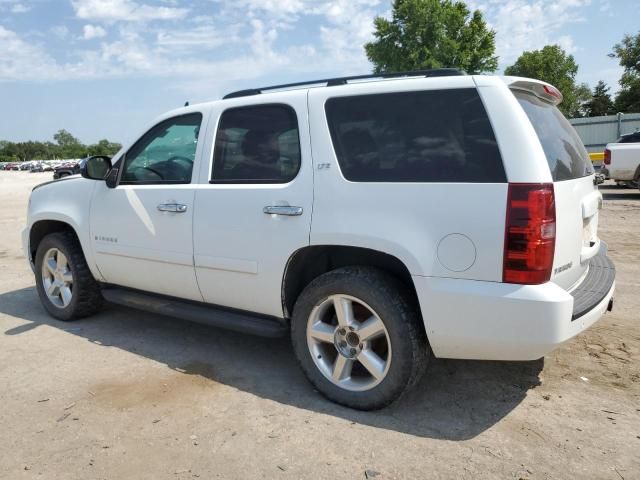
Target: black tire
{"x": 398, "y": 311}
{"x": 86, "y": 297}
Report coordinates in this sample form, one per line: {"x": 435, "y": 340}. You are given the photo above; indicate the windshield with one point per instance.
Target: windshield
{"x": 566, "y": 155}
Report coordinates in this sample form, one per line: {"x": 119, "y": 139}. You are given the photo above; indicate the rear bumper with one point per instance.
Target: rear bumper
{"x": 499, "y": 321}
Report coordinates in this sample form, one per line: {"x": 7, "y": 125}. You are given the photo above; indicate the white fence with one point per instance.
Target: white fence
{"x": 596, "y": 132}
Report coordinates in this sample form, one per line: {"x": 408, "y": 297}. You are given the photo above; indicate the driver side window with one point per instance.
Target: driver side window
{"x": 165, "y": 154}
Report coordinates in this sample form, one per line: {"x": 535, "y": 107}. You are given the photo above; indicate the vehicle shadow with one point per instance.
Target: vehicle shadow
{"x": 614, "y": 192}
{"x": 456, "y": 400}
{"x": 621, "y": 196}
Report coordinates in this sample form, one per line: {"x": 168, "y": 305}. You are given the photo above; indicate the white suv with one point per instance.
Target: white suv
{"x": 378, "y": 220}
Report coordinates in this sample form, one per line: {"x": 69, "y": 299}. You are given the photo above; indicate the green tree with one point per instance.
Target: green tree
{"x": 66, "y": 146}
{"x": 425, "y": 34}
{"x": 26, "y": 151}
{"x": 65, "y": 139}
{"x": 104, "y": 147}
{"x": 600, "y": 103}
{"x": 69, "y": 146}
{"x": 7, "y": 151}
{"x": 551, "y": 64}
{"x": 583, "y": 97}
{"x": 628, "y": 53}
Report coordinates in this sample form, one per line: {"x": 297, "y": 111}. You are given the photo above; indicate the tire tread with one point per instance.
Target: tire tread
{"x": 390, "y": 290}
{"x": 86, "y": 291}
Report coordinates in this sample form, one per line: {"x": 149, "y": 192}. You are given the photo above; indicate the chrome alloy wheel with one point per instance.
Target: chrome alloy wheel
{"x": 57, "y": 279}
{"x": 349, "y": 343}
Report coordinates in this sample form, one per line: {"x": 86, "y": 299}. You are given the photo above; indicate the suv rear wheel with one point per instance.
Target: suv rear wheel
{"x": 65, "y": 285}
{"x": 359, "y": 338}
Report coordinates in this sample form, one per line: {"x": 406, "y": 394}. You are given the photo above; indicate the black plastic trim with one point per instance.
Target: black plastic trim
{"x": 596, "y": 285}
{"x": 331, "y": 82}
{"x": 212, "y": 315}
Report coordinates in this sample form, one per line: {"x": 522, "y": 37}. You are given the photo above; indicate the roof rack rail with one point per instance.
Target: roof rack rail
{"x": 332, "y": 82}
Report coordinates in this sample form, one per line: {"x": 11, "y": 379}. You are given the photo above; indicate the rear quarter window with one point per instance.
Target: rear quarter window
{"x": 565, "y": 152}
{"x": 423, "y": 136}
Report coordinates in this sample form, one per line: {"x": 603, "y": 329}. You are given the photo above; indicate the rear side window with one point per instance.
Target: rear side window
{"x": 565, "y": 152}
{"x": 425, "y": 136}
{"x": 257, "y": 144}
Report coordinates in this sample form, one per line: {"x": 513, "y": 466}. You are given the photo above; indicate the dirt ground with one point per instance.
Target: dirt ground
{"x": 133, "y": 395}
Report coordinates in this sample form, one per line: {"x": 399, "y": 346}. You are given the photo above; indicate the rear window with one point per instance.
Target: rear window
{"x": 425, "y": 136}
{"x": 566, "y": 155}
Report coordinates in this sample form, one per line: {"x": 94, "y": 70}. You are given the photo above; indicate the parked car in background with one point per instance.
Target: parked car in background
{"x": 629, "y": 138}
{"x": 208, "y": 216}
{"x": 66, "y": 169}
{"x": 30, "y": 165}
{"x": 622, "y": 160}
{"x": 36, "y": 167}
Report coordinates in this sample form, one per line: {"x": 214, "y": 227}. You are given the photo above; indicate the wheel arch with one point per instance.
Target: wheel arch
{"x": 42, "y": 228}
{"x": 310, "y": 262}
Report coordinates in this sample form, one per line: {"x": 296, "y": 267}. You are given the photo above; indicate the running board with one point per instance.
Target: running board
{"x": 211, "y": 315}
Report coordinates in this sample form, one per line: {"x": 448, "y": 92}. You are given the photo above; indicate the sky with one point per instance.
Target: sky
{"x": 106, "y": 68}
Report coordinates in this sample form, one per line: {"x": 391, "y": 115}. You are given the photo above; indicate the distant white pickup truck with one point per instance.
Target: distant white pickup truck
{"x": 622, "y": 160}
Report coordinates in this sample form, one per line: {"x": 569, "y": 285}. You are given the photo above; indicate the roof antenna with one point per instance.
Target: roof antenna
{"x": 186, "y": 104}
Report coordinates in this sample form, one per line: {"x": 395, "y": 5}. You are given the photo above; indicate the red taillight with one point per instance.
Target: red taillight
{"x": 607, "y": 156}
{"x": 530, "y": 233}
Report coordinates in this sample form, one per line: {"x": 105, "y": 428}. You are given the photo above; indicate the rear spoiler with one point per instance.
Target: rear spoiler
{"x": 540, "y": 89}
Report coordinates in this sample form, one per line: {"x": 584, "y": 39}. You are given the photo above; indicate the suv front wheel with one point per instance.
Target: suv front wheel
{"x": 64, "y": 283}
{"x": 358, "y": 337}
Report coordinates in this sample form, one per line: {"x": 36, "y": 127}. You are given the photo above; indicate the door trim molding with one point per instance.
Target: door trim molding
{"x": 161, "y": 256}
{"x": 227, "y": 264}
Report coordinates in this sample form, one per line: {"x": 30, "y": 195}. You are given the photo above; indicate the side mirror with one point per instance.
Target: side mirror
{"x": 112, "y": 178}
{"x": 96, "y": 168}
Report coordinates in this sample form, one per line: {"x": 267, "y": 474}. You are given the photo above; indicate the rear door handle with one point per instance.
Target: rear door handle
{"x": 172, "y": 207}
{"x": 282, "y": 210}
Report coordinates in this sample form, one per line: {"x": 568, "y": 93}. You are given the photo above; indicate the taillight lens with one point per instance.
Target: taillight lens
{"x": 553, "y": 92}
{"x": 530, "y": 233}
{"x": 607, "y": 156}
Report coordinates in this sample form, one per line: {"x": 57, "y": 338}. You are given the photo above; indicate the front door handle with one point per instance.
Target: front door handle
{"x": 282, "y": 210}
{"x": 172, "y": 207}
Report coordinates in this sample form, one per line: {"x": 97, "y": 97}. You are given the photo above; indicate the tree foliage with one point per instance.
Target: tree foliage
{"x": 583, "y": 97}
{"x": 628, "y": 53}
{"x": 65, "y": 146}
{"x": 552, "y": 64}
{"x": 600, "y": 103}
{"x": 424, "y": 34}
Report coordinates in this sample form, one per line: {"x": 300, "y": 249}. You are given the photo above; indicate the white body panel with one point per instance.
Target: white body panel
{"x": 137, "y": 246}
{"x": 67, "y": 201}
{"x": 578, "y": 203}
{"x": 240, "y": 252}
{"x": 499, "y": 321}
{"x": 406, "y": 220}
{"x": 522, "y": 154}
{"x": 625, "y": 160}
{"x": 224, "y": 250}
